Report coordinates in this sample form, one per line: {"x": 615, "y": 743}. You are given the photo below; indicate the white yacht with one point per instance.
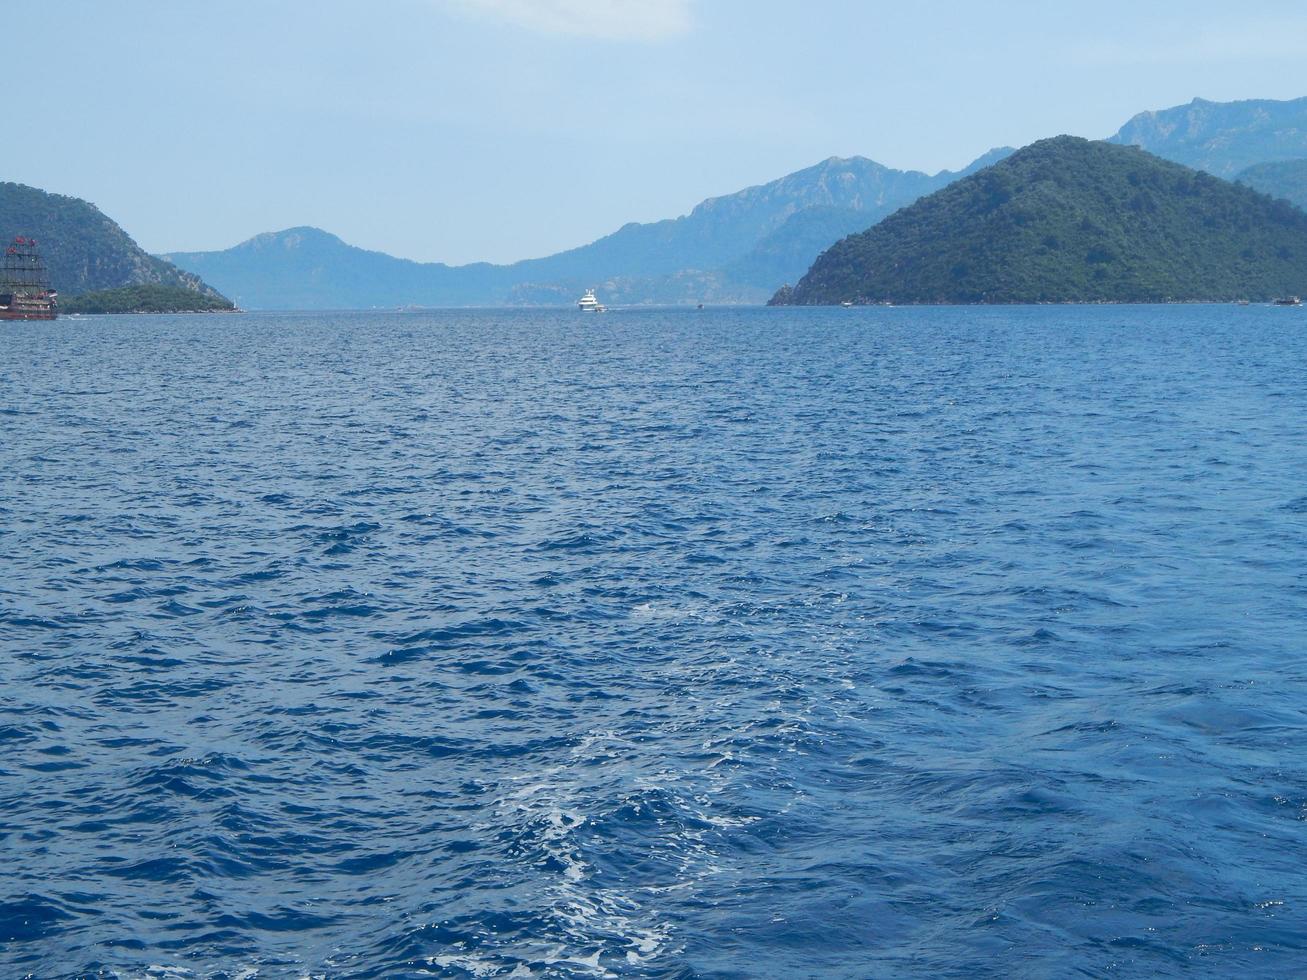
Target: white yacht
{"x": 588, "y": 303}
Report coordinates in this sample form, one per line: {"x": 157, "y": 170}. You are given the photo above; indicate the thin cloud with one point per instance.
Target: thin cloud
{"x": 614, "y": 20}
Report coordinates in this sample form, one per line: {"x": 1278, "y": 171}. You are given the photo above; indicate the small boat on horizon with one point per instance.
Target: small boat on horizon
{"x": 589, "y": 304}
{"x": 1287, "y": 301}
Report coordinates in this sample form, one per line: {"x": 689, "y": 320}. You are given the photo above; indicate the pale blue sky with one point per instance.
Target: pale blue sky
{"x": 458, "y": 130}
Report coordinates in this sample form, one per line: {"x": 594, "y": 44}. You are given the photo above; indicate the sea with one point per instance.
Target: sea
{"x": 724, "y": 643}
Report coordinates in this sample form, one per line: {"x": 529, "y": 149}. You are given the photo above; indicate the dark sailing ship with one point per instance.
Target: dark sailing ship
{"x": 25, "y": 292}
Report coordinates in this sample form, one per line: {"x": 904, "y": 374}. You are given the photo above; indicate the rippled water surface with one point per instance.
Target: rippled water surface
{"x": 765, "y": 643}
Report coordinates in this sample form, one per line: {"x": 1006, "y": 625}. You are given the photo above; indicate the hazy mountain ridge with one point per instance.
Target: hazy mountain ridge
{"x": 1222, "y": 138}
{"x": 1070, "y": 220}
{"x": 787, "y": 252}
{"x": 735, "y": 248}
{"x": 307, "y": 268}
{"x": 84, "y": 249}
{"x": 1285, "y": 179}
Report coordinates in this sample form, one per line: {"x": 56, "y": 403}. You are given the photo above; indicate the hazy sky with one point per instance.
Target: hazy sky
{"x": 458, "y": 130}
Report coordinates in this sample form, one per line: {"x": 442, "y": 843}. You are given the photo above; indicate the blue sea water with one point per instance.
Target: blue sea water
{"x": 754, "y": 643}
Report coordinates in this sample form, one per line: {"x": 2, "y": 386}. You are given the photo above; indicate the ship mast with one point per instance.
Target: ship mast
{"x": 25, "y": 292}
{"x": 23, "y": 271}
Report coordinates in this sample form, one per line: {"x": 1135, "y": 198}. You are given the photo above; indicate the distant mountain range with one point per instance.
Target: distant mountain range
{"x": 731, "y": 249}
{"x": 1070, "y": 220}
{"x": 1222, "y": 138}
{"x": 737, "y": 248}
{"x": 83, "y": 249}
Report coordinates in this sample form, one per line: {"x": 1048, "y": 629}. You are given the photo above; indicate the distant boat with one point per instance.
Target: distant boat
{"x": 588, "y": 303}
{"x": 847, "y": 303}
{"x": 1288, "y": 301}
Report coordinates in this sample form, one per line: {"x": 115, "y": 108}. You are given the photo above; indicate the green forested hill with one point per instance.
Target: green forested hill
{"x": 1069, "y": 220}
{"x": 146, "y": 299}
{"x": 83, "y": 249}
